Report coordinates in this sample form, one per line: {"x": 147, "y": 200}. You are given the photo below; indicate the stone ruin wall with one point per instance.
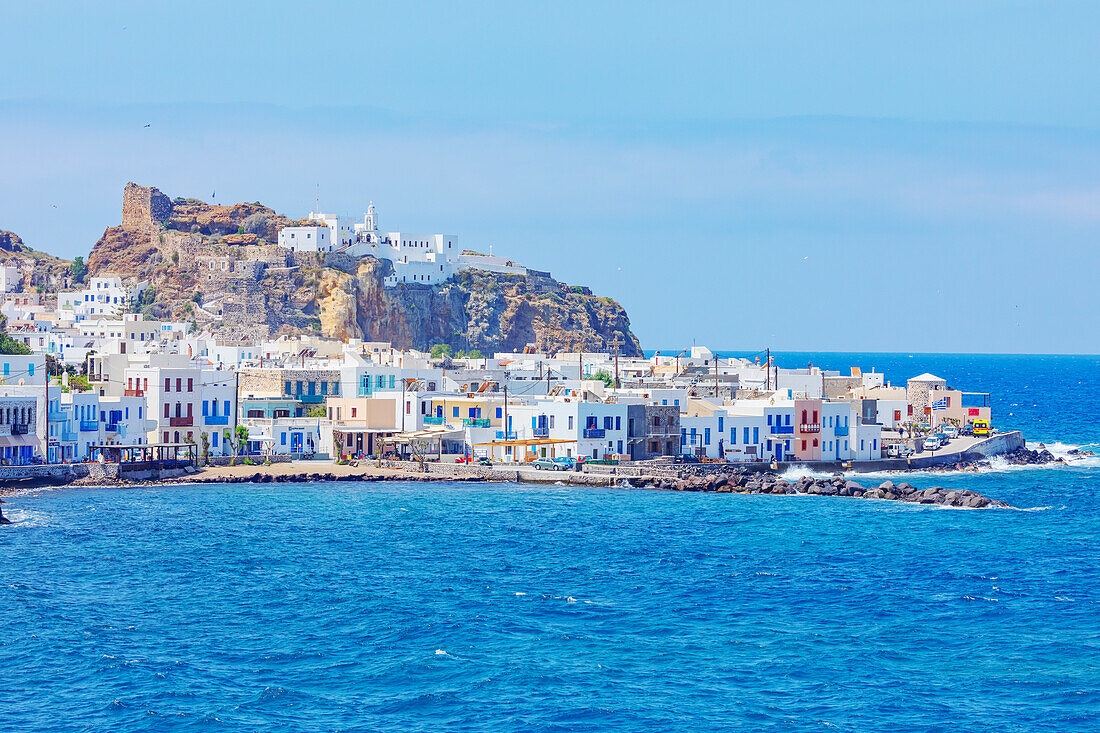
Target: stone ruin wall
{"x": 144, "y": 208}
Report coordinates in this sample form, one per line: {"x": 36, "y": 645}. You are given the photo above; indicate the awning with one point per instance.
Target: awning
{"x": 17, "y": 440}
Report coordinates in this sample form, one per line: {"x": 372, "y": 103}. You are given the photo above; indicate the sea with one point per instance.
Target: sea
{"x": 439, "y": 607}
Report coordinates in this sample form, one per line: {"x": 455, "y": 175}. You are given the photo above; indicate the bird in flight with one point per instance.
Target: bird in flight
{"x": 147, "y": 125}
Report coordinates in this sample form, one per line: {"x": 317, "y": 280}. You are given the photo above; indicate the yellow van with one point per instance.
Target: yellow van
{"x": 981, "y": 427}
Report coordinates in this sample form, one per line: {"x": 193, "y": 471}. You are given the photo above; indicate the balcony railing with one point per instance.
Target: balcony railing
{"x": 433, "y": 420}
{"x": 216, "y": 419}
{"x": 111, "y": 427}
{"x": 310, "y": 399}
{"x": 89, "y": 426}
{"x": 58, "y": 416}
{"x": 134, "y": 393}
{"x": 782, "y": 429}
{"x": 475, "y": 422}
{"x": 841, "y": 431}
{"x": 501, "y": 435}
{"x": 68, "y": 436}
{"x": 20, "y": 428}
{"x": 540, "y": 432}
{"x": 810, "y": 428}
{"x": 594, "y": 432}
{"x": 181, "y": 422}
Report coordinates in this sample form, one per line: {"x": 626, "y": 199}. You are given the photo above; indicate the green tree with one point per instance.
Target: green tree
{"x": 318, "y": 411}
{"x": 80, "y": 384}
{"x": 78, "y": 269}
{"x": 236, "y": 439}
{"x": 438, "y": 351}
{"x": 197, "y": 298}
{"x": 205, "y": 449}
{"x": 604, "y": 376}
{"x": 474, "y": 354}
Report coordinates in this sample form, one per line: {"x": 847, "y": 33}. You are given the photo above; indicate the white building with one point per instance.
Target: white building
{"x": 106, "y": 297}
{"x": 306, "y": 239}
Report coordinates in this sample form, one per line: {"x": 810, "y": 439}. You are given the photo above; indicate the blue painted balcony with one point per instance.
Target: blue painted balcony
{"x": 540, "y": 432}
{"x": 433, "y": 420}
{"x": 310, "y": 399}
{"x": 58, "y": 416}
{"x": 594, "y": 432}
{"x": 502, "y": 436}
{"x": 111, "y": 427}
{"x": 69, "y": 436}
{"x": 782, "y": 429}
{"x": 216, "y": 419}
{"x": 89, "y": 426}
{"x": 840, "y": 431}
{"x": 475, "y": 422}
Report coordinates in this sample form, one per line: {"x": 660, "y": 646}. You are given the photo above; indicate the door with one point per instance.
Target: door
{"x": 778, "y": 451}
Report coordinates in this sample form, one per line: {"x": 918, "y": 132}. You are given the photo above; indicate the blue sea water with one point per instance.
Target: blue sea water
{"x": 426, "y": 607}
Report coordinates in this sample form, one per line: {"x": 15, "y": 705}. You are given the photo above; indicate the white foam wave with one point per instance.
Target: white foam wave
{"x": 794, "y": 473}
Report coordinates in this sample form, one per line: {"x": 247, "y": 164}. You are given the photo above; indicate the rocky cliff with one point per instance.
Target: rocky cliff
{"x": 219, "y": 266}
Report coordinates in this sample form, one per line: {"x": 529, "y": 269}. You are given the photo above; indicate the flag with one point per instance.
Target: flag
{"x": 940, "y": 404}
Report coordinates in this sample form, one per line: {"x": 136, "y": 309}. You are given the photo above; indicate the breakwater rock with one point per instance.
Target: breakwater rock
{"x": 745, "y": 482}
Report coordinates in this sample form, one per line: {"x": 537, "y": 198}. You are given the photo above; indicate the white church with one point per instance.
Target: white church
{"x": 417, "y": 258}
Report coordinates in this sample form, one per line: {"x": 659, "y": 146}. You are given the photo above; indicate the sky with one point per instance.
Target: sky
{"x": 866, "y": 176}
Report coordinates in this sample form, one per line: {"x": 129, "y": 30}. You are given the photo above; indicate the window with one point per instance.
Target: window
{"x": 804, "y": 419}
{"x": 746, "y": 435}
{"x": 721, "y": 420}
{"x": 787, "y": 419}
{"x": 656, "y": 421}
{"x": 214, "y": 439}
{"x": 179, "y": 384}
{"x": 166, "y": 414}
{"x": 499, "y": 413}
{"x": 282, "y": 438}
{"x": 756, "y": 435}
{"x": 167, "y": 384}
{"x": 324, "y": 388}
{"x": 706, "y": 435}
{"x": 30, "y": 369}
{"x": 607, "y": 422}
{"x": 206, "y": 408}
{"x": 733, "y": 436}
{"x": 815, "y": 417}
{"x": 570, "y": 422}
{"x": 815, "y": 442}
{"x": 454, "y": 412}
{"x": 286, "y": 387}
{"x": 551, "y": 421}
{"x": 226, "y": 413}
{"x": 683, "y": 436}
{"x": 165, "y": 434}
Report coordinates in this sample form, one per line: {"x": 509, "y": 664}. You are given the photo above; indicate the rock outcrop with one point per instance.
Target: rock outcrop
{"x": 218, "y": 265}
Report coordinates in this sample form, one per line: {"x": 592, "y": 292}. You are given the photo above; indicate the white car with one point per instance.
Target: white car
{"x": 932, "y": 444}
{"x": 951, "y": 432}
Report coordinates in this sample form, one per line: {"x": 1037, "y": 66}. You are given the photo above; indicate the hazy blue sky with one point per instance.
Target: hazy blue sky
{"x": 814, "y": 176}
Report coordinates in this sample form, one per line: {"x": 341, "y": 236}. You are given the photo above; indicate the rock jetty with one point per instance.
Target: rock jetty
{"x": 746, "y": 482}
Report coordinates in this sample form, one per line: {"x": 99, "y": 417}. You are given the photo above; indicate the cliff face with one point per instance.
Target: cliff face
{"x": 476, "y": 310}
{"x": 37, "y": 269}
{"x": 218, "y": 266}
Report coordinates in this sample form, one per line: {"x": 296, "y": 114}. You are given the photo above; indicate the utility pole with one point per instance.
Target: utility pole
{"x": 768, "y": 370}
{"x": 617, "y": 341}
{"x": 506, "y": 431}
{"x": 716, "y": 375}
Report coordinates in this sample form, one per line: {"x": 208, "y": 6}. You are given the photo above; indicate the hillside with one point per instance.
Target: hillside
{"x": 218, "y": 266}
{"x": 40, "y": 271}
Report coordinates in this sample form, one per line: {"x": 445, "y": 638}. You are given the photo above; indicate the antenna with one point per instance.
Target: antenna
{"x": 318, "y": 202}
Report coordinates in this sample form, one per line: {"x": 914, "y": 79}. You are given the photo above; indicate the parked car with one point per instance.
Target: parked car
{"x": 688, "y": 458}
{"x": 568, "y": 463}
{"x": 932, "y": 443}
{"x": 967, "y": 429}
{"x": 548, "y": 464}
{"x": 951, "y": 432}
